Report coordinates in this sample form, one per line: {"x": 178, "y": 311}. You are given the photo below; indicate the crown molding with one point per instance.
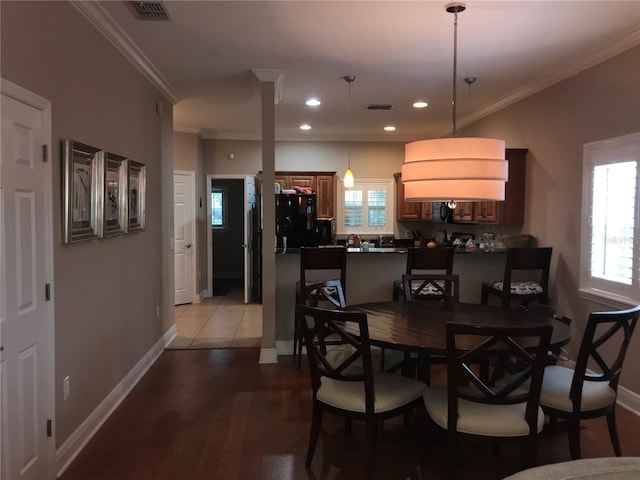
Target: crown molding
{"x": 579, "y": 64}
{"x": 105, "y": 24}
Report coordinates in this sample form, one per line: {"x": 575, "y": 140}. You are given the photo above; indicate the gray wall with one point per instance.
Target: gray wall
{"x": 106, "y": 291}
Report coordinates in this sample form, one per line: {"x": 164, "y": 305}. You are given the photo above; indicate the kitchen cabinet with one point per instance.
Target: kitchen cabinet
{"x": 508, "y": 212}
{"x": 410, "y": 210}
{"x": 511, "y": 210}
{"x": 464, "y": 212}
{"x": 325, "y": 198}
{"x": 320, "y": 183}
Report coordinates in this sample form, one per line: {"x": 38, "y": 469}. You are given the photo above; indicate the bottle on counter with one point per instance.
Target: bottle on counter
{"x": 356, "y": 241}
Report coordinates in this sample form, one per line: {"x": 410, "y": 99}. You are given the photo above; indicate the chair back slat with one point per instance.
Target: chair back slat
{"x": 469, "y": 345}
{"x": 327, "y": 291}
{"x": 429, "y": 259}
{"x": 619, "y": 327}
{"x": 323, "y": 258}
{"x": 315, "y": 323}
{"x": 438, "y": 287}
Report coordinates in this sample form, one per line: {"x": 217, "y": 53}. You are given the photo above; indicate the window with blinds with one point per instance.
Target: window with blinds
{"x": 366, "y": 207}
{"x": 611, "y": 251}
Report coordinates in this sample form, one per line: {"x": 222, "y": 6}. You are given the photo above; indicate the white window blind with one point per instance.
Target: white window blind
{"x": 610, "y": 260}
{"x": 366, "y": 208}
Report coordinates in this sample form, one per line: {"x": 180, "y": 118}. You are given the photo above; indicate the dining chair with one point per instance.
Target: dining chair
{"x": 575, "y": 394}
{"x": 421, "y": 286}
{"x": 537, "y": 259}
{"x": 468, "y": 407}
{"x": 317, "y": 264}
{"x": 352, "y": 393}
{"x": 425, "y": 260}
{"x": 418, "y": 287}
{"x": 556, "y": 353}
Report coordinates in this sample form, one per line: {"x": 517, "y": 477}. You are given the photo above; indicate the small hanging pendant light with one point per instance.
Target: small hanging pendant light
{"x": 348, "y": 175}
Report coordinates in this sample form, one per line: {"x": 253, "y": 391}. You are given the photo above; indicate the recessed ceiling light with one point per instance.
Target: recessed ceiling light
{"x": 304, "y": 126}
{"x": 420, "y": 105}
{"x": 389, "y": 128}
{"x": 313, "y": 102}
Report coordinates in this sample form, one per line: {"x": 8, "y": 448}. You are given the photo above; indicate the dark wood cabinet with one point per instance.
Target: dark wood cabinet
{"x": 508, "y": 212}
{"x": 321, "y": 183}
{"x": 409, "y": 210}
{"x": 325, "y": 190}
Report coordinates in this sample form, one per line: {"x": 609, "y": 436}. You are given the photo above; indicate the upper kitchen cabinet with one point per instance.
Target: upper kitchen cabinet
{"x": 321, "y": 183}
{"x": 511, "y": 211}
{"x": 409, "y": 210}
{"x": 326, "y": 194}
{"x": 508, "y": 212}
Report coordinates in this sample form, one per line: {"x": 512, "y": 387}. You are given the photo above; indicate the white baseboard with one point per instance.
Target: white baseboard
{"x": 169, "y": 335}
{"x": 268, "y": 355}
{"x": 284, "y": 347}
{"x": 629, "y": 400}
{"x": 73, "y": 445}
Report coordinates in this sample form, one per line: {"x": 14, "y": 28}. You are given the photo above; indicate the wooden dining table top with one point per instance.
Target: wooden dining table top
{"x": 420, "y": 326}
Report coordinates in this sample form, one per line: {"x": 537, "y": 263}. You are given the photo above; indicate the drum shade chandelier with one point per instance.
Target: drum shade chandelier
{"x": 449, "y": 169}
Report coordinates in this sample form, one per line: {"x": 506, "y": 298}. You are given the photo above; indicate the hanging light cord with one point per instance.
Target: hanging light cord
{"x": 455, "y": 10}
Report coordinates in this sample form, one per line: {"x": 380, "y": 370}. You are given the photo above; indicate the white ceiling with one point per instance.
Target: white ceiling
{"x": 400, "y": 51}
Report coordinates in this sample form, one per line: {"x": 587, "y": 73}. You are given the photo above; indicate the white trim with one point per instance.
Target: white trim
{"x": 76, "y": 442}
{"x": 284, "y": 347}
{"x": 578, "y": 64}
{"x": 194, "y": 236}
{"x": 629, "y": 400}
{"x": 607, "y": 299}
{"x": 169, "y": 335}
{"x": 268, "y": 355}
{"x": 31, "y": 99}
{"x": 107, "y": 26}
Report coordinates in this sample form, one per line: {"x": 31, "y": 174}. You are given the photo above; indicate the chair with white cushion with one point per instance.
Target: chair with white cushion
{"x": 577, "y": 394}
{"x": 469, "y": 408}
{"x": 532, "y": 260}
{"x": 352, "y": 393}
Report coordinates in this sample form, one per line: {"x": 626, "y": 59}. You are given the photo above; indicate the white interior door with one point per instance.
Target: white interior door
{"x": 184, "y": 236}
{"x": 26, "y": 315}
{"x": 249, "y": 211}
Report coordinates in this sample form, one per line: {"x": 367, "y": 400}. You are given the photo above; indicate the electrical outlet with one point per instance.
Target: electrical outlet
{"x": 66, "y": 387}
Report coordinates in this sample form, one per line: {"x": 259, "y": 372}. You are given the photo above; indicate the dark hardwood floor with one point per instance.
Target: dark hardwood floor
{"x": 218, "y": 414}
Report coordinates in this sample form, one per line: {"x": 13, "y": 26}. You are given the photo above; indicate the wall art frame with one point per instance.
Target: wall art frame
{"x": 81, "y": 188}
{"x": 113, "y": 196}
{"x": 136, "y": 196}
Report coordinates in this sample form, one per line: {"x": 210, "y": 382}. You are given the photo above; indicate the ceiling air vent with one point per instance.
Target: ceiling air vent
{"x": 150, "y": 11}
{"x": 379, "y": 106}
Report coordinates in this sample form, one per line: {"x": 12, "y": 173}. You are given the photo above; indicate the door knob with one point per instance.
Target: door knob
{"x": 188, "y": 245}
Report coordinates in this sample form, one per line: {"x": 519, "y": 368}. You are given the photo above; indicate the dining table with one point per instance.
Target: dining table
{"x": 420, "y": 326}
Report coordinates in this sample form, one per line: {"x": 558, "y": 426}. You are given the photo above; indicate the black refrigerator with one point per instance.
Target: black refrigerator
{"x": 296, "y": 221}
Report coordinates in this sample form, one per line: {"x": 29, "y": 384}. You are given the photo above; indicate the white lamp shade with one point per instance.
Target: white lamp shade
{"x": 348, "y": 178}
{"x": 464, "y": 169}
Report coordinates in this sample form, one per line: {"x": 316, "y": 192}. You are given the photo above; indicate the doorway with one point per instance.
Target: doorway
{"x": 232, "y": 218}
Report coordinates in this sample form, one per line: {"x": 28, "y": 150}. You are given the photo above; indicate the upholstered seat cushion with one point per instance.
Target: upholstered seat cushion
{"x": 608, "y": 468}
{"x": 479, "y": 418}
{"x": 518, "y": 288}
{"x": 557, "y": 383}
{"x": 391, "y": 391}
{"x": 415, "y": 284}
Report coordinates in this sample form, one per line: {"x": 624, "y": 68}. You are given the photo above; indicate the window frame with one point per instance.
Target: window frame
{"x": 608, "y": 292}
{"x": 388, "y": 186}
{"x": 225, "y": 222}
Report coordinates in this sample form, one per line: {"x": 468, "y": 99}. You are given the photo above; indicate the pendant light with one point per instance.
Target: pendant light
{"x": 454, "y": 168}
{"x": 348, "y": 175}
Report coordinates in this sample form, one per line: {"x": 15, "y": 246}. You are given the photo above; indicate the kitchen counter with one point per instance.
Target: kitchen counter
{"x": 282, "y": 251}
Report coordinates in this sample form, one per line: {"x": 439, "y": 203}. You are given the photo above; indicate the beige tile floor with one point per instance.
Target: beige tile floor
{"x": 218, "y": 322}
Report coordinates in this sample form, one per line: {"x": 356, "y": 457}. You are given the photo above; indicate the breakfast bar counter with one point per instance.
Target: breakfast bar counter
{"x": 370, "y": 276}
